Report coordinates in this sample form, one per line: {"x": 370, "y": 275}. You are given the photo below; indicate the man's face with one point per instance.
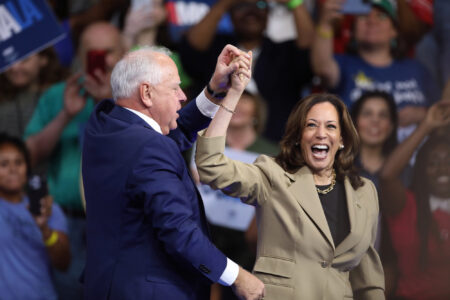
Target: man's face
{"x": 102, "y": 38}
{"x": 166, "y": 97}
{"x": 249, "y": 18}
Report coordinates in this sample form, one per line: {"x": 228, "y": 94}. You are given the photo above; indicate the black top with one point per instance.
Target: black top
{"x": 281, "y": 71}
{"x": 334, "y": 205}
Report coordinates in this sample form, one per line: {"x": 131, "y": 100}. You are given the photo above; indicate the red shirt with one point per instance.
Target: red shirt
{"x": 415, "y": 283}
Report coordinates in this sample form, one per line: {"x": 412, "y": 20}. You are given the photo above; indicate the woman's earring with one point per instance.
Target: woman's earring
{"x": 341, "y": 147}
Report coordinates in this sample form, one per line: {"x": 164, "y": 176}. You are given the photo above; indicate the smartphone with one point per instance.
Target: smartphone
{"x": 95, "y": 60}
{"x": 36, "y": 190}
{"x": 356, "y": 7}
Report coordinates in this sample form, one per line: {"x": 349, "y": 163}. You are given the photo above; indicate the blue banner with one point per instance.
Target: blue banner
{"x": 183, "y": 14}
{"x": 26, "y": 27}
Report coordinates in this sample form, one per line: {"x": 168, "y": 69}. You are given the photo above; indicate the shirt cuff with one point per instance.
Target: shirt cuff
{"x": 205, "y": 106}
{"x": 230, "y": 273}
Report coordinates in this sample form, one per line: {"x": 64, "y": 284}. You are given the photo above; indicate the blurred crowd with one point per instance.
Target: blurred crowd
{"x": 390, "y": 65}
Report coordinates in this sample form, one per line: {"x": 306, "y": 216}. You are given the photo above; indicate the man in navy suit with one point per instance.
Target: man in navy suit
{"x": 147, "y": 236}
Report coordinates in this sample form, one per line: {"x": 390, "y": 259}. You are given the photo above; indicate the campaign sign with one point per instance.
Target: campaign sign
{"x": 226, "y": 211}
{"x": 26, "y": 27}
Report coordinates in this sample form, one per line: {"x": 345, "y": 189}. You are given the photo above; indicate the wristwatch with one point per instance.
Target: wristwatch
{"x": 220, "y": 95}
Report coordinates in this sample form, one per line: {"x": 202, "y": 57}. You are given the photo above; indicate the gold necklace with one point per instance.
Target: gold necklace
{"x": 331, "y": 187}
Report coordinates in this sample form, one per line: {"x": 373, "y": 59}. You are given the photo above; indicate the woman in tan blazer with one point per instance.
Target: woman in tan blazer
{"x": 316, "y": 218}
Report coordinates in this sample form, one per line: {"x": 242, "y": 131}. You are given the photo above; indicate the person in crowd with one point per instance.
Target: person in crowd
{"x": 142, "y": 24}
{"x": 374, "y": 62}
{"x": 247, "y": 125}
{"x": 281, "y": 70}
{"x": 53, "y": 136}
{"x": 21, "y": 86}
{"x": 133, "y": 171}
{"x": 76, "y": 16}
{"x": 30, "y": 245}
{"x": 316, "y": 217}
{"x": 146, "y": 25}
{"x": 375, "y": 117}
{"x": 419, "y": 217}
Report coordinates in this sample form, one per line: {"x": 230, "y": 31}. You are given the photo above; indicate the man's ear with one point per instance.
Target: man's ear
{"x": 145, "y": 93}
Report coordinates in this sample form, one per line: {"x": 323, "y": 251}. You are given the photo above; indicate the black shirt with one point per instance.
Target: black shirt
{"x": 334, "y": 205}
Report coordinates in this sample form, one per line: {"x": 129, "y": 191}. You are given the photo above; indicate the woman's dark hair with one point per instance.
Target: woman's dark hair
{"x": 48, "y": 75}
{"x": 291, "y": 158}
{"x": 6, "y": 139}
{"x": 398, "y": 45}
{"x": 391, "y": 141}
{"x": 421, "y": 189}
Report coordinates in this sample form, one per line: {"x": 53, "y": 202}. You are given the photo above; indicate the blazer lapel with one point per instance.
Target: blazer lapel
{"x": 357, "y": 216}
{"x": 303, "y": 190}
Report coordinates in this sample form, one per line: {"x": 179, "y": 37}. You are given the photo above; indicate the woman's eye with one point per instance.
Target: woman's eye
{"x": 310, "y": 125}
{"x": 331, "y": 126}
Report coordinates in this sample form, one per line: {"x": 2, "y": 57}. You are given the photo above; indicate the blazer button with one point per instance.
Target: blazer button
{"x": 324, "y": 264}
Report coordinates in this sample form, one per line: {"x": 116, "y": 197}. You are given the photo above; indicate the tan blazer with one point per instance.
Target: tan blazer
{"x": 296, "y": 256}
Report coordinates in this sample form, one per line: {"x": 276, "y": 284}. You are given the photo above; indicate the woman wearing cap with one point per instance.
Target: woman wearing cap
{"x": 316, "y": 218}
{"x": 373, "y": 61}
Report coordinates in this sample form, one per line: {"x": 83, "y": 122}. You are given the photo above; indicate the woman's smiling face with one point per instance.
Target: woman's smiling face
{"x": 321, "y": 137}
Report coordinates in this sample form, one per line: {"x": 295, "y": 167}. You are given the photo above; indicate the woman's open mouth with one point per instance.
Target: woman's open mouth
{"x": 320, "y": 151}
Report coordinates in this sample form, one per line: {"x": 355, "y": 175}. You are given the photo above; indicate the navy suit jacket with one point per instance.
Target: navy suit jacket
{"x": 147, "y": 236}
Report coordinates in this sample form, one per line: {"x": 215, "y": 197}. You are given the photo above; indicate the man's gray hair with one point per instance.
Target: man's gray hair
{"x": 134, "y": 68}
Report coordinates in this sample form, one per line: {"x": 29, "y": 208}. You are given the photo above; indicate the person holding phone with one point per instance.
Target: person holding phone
{"x": 53, "y": 135}
{"x": 30, "y": 244}
{"x": 373, "y": 62}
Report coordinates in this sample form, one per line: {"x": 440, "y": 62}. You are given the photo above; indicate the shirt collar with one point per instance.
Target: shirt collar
{"x": 152, "y": 123}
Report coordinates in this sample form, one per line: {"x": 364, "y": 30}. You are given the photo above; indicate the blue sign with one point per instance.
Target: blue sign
{"x": 26, "y": 27}
{"x": 182, "y": 14}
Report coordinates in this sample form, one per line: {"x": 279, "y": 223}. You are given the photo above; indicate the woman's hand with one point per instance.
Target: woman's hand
{"x": 220, "y": 81}
{"x": 438, "y": 115}
{"x": 241, "y": 77}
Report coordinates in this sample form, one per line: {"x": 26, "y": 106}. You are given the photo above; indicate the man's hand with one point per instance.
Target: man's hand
{"x": 99, "y": 87}
{"x": 220, "y": 80}
{"x": 330, "y": 12}
{"x": 248, "y": 287}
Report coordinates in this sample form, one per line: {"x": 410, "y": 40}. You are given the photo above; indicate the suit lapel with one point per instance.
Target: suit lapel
{"x": 303, "y": 190}
{"x": 357, "y": 216}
